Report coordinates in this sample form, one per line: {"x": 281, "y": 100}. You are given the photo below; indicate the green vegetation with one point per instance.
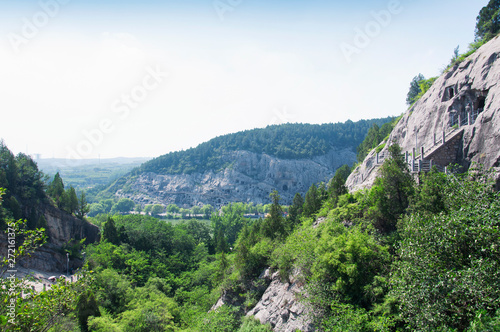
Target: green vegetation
{"x": 374, "y": 137}
{"x": 487, "y": 28}
{"x": 419, "y": 86}
{"x": 24, "y": 188}
{"x": 488, "y": 21}
{"x": 402, "y": 255}
{"x": 288, "y": 141}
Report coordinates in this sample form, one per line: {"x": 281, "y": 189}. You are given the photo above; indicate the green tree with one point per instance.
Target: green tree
{"x": 312, "y": 202}
{"x": 488, "y": 21}
{"x": 56, "y": 189}
{"x": 274, "y": 225}
{"x": 392, "y": 190}
{"x": 448, "y": 267}
{"x": 207, "y": 211}
{"x": 337, "y": 187}
{"x": 71, "y": 204}
{"x": 83, "y": 207}
{"x": 296, "y": 208}
{"x": 172, "y": 208}
{"x": 148, "y": 208}
{"x": 414, "y": 89}
{"x": 157, "y": 209}
{"x": 109, "y": 232}
{"x": 123, "y": 205}
{"x": 86, "y": 306}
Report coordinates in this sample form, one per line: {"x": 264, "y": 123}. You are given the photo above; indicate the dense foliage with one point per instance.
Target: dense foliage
{"x": 488, "y": 21}
{"x": 402, "y": 255}
{"x": 24, "y": 187}
{"x": 288, "y": 141}
{"x": 374, "y": 137}
{"x": 420, "y": 85}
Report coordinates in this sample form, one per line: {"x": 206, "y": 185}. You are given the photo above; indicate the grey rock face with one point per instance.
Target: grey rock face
{"x": 250, "y": 178}
{"x": 465, "y": 98}
{"x": 61, "y": 228}
{"x": 280, "y": 307}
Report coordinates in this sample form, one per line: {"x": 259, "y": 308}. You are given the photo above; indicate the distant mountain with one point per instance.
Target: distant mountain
{"x": 246, "y": 166}
{"x": 89, "y": 173}
{"x": 287, "y": 141}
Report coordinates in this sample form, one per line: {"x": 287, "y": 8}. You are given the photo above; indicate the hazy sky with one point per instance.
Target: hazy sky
{"x": 142, "y": 78}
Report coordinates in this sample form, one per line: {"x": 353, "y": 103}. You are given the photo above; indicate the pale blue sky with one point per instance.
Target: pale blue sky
{"x": 67, "y": 68}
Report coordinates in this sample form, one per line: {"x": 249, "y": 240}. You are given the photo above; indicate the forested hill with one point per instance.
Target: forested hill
{"x": 287, "y": 141}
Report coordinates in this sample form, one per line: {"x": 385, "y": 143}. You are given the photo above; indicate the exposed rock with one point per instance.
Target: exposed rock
{"x": 61, "y": 229}
{"x": 465, "y": 98}
{"x": 234, "y": 298}
{"x": 250, "y": 178}
{"x": 280, "y": 307}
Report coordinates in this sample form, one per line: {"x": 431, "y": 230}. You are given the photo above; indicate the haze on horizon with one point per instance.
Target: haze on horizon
{"x": 83, "y": 79}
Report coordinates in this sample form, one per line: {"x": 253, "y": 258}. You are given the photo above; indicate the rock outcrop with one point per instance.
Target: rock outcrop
{"x": 280, "y": 307}
{"x": 61, "y": 229}
{"x": 250, "y": 178}
{"x": 456, "y": 121}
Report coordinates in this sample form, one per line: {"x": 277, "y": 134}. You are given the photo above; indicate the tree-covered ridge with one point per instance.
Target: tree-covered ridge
{"x": 26, "y": 190}
{"x": 287, "y": 141}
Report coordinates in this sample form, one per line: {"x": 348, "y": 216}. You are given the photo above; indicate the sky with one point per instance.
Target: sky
{"x": 88, "y": 79}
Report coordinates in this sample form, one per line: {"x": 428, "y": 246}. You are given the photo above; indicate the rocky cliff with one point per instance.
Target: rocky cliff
{"x": 456, "y": 121}
{"x": 280, "y": 306}
{"x": 61, "y": 229}
{"x": 250, "y": 177}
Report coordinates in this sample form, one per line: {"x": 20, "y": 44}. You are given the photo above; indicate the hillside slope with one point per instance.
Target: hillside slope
{"x": 247, "y": 166}
{"x": 463, "y": 106}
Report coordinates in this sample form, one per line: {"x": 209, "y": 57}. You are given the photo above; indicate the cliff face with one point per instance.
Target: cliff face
{"x": 250, "y": 178}
{"x": 61, "y": 229}
{"x": 280, "y": 307}
{"x": 463, "y": 104}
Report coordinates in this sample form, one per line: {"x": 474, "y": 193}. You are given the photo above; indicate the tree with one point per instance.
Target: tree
{"x": 124, "y": 205}
{"x": 414, "y": 89}
{"x": 157, "y": 209}
{"x": 107, "y": 205}
{"x": 83, "y": 207}
{"x": 274, "y": 226}
{"x": 109, "y": 232}
{"x": 70, "y": 200}
{"x": 86, "y": 307}
{"x": 392, "y": 190}
{"x": 207, "y": 211}
{"x": 56, "y": 189}
{"x": 312, "y": 202}
{"x": 448, "y": 268}
{"x": 172, "y": 208}
{"x": 337, "y": 187}
{"x": 148, "y": 208}
{"x": 488, "y": 21}
{"x": 296, "y": 208}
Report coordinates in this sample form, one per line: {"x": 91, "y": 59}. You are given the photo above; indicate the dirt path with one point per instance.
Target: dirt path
{"x": 41, "y": 278}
